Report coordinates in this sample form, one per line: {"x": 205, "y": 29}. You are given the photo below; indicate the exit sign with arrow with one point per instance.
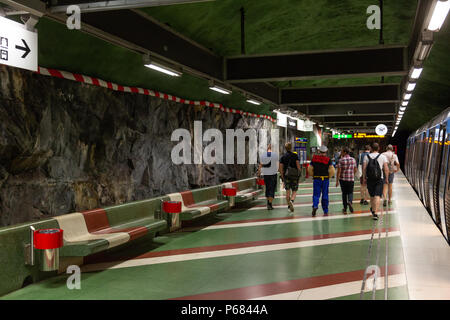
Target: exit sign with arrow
{"x": 18, "y": 46}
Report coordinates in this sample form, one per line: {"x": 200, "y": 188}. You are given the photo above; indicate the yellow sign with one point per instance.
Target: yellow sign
{"x": 363, "y": 136}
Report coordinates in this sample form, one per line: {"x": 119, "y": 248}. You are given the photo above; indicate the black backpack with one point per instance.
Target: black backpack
{"x": 292, "y": 171}
{"x": 373, "y": 169}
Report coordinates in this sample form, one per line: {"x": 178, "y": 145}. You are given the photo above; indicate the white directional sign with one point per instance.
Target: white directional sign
{"x": 18, "y": 46}
{"x": 381, "y": 130}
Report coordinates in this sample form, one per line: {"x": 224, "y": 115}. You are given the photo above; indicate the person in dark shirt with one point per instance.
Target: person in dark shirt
{"x": 290, "y": 161}
{"x": 321, "y": 169}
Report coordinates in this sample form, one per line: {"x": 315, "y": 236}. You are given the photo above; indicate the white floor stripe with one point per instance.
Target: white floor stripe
{"x": 293, "y": 220}
{"x": 299, "y": 195}
{"x": 336, "y": 290}
{"x": 284, "y": 206}
{"x": 225, "y": 253}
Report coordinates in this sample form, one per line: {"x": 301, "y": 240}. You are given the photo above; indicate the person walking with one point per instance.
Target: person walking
{"x": 375, "y": 171}
{"x": 268, "y": 168}
{"x": 346, "y": 177}
{"x": 290, "y": 174}
{"x": 336, "y": 156}
{"x": 321, "y": 169}
{"x": 359, "y": 163}
{"x": 393, "y": 166}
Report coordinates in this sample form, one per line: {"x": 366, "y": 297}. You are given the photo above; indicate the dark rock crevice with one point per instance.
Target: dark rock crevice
{"x": 66, "y": 146}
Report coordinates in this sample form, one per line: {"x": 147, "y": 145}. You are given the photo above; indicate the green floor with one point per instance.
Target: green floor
{"x": 190, "y": 277}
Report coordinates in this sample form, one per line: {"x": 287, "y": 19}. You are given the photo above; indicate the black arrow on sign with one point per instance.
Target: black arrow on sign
{"x": 26, "y": 49}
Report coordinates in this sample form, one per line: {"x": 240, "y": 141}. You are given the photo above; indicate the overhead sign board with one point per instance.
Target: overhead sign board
{"x": 281, "y": 119}
{"x": 18, "y": 46}
{"x": 300, "y": 125}
{"x": 292, "y": 123}
{"x": 364, "y": 136}
{"x": 342, "y": 136}
{"x": 308, "y": 125}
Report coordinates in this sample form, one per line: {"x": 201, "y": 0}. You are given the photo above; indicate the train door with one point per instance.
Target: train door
{"x": 428, "y": 157}
{"x": 435, "y": 173}
{"x": 421, "y": 161}
{"x": 444, "y": 206}
{"x": 408, "y": 142}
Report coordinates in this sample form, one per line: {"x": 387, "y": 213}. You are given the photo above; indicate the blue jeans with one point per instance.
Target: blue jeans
{"x": 321, "y": 187}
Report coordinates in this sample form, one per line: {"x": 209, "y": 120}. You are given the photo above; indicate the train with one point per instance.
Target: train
{"x": 427, "y": 168}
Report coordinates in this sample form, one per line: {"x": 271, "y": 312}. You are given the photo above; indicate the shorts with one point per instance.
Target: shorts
{"x": 390, "y": 178}
{"x": 375, "y": 188}
{"x": 270, "y": 182}
{"x": 291, "y": 184}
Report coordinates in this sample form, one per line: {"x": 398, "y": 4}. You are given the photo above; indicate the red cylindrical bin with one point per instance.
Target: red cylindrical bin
{"x": 48, "y": 239}
{"x": 172, "y": 206}
{"x": 229, "y": 192}
{"x": 306, "y": 165}
{"x": 260, "y": 182}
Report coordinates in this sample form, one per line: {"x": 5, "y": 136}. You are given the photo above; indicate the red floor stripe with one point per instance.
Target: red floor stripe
{"x": 154, "y": 254}
{"x": 288, "y": 286}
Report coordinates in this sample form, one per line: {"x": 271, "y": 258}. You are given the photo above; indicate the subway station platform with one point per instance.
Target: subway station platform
{"x": 253, "y": 253}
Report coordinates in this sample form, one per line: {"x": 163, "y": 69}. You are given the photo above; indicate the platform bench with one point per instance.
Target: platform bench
{"x": 97, "y": 230}
{"x": 246, "y": 189}
{"x": 199, "y": 202}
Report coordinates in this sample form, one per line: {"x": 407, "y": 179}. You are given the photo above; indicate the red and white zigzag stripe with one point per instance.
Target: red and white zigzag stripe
{"x": 116, "y": 87}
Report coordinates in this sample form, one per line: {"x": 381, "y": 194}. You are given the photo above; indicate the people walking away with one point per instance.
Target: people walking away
{"x": 268, "y": 168}
{"x": 359, "y": 162}
{"x": 393, "y": 166}
{"x": 321, "y": 169}
{"x": 336, "y": 156}
{"x": 375, "y": 172}
{"x": 290, "y": 174}
{"x": 346, "y": 177}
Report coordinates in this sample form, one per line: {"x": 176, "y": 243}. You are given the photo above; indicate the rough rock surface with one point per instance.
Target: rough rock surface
{"x": 66, "y": 146}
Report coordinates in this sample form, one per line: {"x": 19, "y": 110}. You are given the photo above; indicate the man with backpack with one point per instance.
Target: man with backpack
{"x": 359, "y": 163}
{"x": 393, "y": 166}
{"x": 321, "y": 169}
{"x": 375, "y": 172}
{"x": 290, "y": 174}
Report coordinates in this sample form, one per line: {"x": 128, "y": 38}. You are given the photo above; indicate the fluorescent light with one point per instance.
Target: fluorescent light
{"x": 405, "y": 103}
{"x": 410, "y": 87}
{"x": 221, "y": 90}
{"x": 407, "y": 96}
{"x": 401, "y": 112}
{"x": 402, "y": 108}
{"x": 254, "y": 102}
{"x": 327, "y": 128}
{"x": 161, "y": 68}
{"x": 416, "y": 73}
{"x": 396, "y": 128}
{"x": 439, "y": 14}
{"x": 424, "y": 51}
{"x": 321, "y": 125}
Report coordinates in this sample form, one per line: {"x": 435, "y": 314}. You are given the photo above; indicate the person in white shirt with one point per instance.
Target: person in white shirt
{"x": 393, "y": 166}
{"x": 268, "y": 168}
{"x": 375, "y": 172}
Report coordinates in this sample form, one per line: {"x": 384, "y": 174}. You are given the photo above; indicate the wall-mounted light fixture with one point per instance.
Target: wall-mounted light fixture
{"x": 161, "y": 66}
{"x": 219, "y": 88}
